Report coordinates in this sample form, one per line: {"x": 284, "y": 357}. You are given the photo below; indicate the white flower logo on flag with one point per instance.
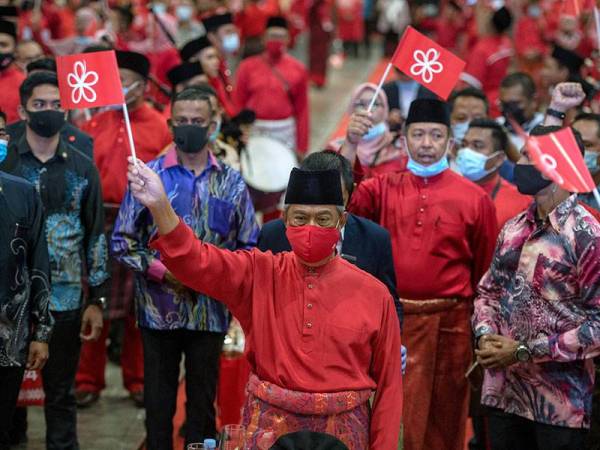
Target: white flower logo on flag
{"x": 426, "y": 64}
{"x": 82, "y": 81}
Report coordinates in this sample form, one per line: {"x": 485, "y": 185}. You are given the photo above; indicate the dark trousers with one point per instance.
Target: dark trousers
{"x": 162, "y": 356}
{"x": 511, "y": 432}
{"x": 58, "y": 375}
{"x": 10, "y": 384}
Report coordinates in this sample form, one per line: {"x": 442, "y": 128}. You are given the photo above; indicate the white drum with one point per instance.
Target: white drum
{"x": 266, "y": 164}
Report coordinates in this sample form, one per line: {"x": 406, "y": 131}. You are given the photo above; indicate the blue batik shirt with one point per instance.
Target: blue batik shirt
{"x": 69, "y": 186}
{"x": 217, "y": 206}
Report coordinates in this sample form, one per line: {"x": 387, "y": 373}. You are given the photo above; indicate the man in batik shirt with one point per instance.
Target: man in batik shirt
{"x": 174, "y": 320}
{"x": 536, "y": 319}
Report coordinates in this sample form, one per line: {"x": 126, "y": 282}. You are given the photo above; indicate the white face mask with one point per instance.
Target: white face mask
{"x": 184, "y": 13}
{"x": 471, "y": 164}
{"x": 231, "y": 43}
{"x": 459, "y": 130}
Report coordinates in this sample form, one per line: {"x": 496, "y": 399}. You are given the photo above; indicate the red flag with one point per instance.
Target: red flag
{"x": 427, "y": 62}
{"x": 558, "y": 156}
{"x": 89, "y": 80}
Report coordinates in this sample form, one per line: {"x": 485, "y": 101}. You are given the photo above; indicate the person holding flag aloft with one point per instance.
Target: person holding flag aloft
{"x": 443, "y": 229}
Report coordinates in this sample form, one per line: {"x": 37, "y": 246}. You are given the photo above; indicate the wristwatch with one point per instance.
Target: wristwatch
{"x": 555, "y": 113}
{"x": 480, "y": 332}
{"x": 100, "y": 302}
{"x": 522, "y": 353}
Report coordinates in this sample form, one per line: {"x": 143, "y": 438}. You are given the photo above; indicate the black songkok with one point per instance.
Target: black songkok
{"x": 193, "y": 47}
{"x": 183, "y": 72}
{"x": 277, "y": 21}
{"x": 428, "y": 110}
{"x": 320, "y": 187}
{"x": 133, "y": 61}
{"x": 213, "y": 23}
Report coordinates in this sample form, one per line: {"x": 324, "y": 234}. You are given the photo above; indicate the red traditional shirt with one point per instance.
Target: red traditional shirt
{"x": 10, "y": 80}
{"x": 275, "y": 91}
{"x": 326, "y": 329}
{"x": 508, "y": 201}
{"x": 443, "y": 230}
{"x": 111, "y": 145}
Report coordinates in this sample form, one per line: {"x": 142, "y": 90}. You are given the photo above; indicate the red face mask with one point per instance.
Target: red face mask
{"x": 275, "y": 49}
{"x": 312, "y": 243}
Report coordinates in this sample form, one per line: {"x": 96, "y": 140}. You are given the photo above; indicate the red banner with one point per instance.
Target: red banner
{"x": 427, "y": 62}
{"x": 89, "y": 80}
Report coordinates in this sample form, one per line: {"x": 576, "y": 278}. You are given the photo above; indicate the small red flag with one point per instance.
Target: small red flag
{"x": 89, "y": 80}
{"x": 427, "y": 62}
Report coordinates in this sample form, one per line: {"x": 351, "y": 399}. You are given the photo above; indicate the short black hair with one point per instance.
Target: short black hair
{"x": 328, "y": 160}
{"x": 34, "y": 80}
{"x": 542, "y": 130}
{"x": 469, "y": 92}
{"x": 520, "y": 79}
{"x": 47, "y": 64}
{"x": 3, "y": 116}
{"x": 502, "y": 20}
{"x": 498, "y": 133}
{"x": 192, "y": 94}
{"x": 589, "y": 117}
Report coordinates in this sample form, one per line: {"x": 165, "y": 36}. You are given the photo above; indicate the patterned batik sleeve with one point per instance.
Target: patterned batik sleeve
{"x": 247, "y": 228}
{"x": 489, "y": 290}
{"x": 39, "y": 274}
{"x": 95, "y": 245}
{"x": 583, "y": 341}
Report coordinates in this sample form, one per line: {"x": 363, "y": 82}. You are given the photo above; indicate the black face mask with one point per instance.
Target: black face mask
{"x": 514, "y": 111}
{"x": 190, "y": 138}
{"x": 46, "y": 123}
{"x": 6, "y": 59}
{"x": 529, "y": 180}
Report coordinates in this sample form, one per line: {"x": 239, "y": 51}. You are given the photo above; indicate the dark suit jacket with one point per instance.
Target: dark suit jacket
{"x": 70, "y": 133}
{"x": 365, "y": 244}
{"x": 393, "y": 96}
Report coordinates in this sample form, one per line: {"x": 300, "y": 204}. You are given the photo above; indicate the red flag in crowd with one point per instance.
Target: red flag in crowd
{"x": 558, "y": 156}
{"x": 89, "y": 80}
{"x": 427, "y": 62}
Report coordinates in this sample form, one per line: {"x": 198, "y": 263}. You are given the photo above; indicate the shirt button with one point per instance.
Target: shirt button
{"x": 308, "y": 324}
{"x": 309, "y": 306}
{"x": 120, "y": 140}
{"x": 229, "y": 88}
{"x": 423, "y": 197}
{"x": 419, "y": 223}
{"x": 310, "y": 286}
{"x": 422, "y": 210}
{"x": 121, "y": 130}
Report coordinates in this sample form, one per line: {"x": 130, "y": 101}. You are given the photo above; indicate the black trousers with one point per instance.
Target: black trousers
{"x": 10, "y": 384}
{"x": 162, "y": 357}
{"x": 58, "y": 375}
{"x": 511, "y": 432}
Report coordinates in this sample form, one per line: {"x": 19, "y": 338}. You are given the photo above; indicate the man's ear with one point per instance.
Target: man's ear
{"x": 495, "y": 161}
{"x": 22, "y": 112}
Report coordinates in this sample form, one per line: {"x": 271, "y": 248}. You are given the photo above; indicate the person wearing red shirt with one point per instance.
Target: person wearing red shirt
{"x": 275, "y": 86}
{"x": 488, "y": 61}
{"x": 10, "y": 75}
{"x": 443, "y": 229}
{"x": 322, "y": 334}
{"x": 252, "y": 23}
{"x": 224, "y": 36}
{"x": 203, "y": 51}
{"x": 150, "y": 135}
{"x": 320, "y": 24}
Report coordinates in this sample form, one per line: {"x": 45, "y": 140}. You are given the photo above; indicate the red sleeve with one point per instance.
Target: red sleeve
{"x": 240, "y": 92}
{"x": 386, "y": 370}
{"x": 200, "y": 266}
{"x": 483, "y": 238}
{"x": 476, "y": 67}
{"x": 301, "y": 110}
{"x": 366, "y": 199}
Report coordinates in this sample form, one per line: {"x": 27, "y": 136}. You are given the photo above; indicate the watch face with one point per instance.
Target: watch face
{"x": 523, "y": 354}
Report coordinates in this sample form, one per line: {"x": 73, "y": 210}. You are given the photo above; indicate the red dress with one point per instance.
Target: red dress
{"x": 350, "y": 20}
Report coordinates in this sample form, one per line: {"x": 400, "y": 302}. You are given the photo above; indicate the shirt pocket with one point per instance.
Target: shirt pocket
{"x": 448, "y": 240}
{"x": 220, "y": 215}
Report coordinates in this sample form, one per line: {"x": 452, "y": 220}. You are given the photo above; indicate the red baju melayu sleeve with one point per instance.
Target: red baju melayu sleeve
{"x": 111, "y": 145}
{"x": 327, "y": 329}
{"x": 10, "y": 80}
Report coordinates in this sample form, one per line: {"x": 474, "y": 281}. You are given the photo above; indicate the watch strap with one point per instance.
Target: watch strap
{"x": 555, "y": 113}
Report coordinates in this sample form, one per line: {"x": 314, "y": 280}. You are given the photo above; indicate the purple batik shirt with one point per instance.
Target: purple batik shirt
{"x": 543, "y": 289}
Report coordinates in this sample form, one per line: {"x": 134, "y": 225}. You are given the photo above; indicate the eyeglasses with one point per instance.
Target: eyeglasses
{"x": 365, "y": 105}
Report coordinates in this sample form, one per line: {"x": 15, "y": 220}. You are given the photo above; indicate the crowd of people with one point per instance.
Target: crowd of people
{"x": 391, "y": 283}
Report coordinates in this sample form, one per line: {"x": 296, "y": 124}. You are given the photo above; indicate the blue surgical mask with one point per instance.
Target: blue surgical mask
{"x": 159, "y": 8}
{"x": 184, "y": 13}
{"x": 459, "y": 130}
{"x": 427, "y": 171}
{"x": 472, "y": 164}
{"x": 213, "y": 137}
{"x": 374, "y": 132}
{"x": 3, "y": 149}
{"x": 591, "y": 161}
{"x": 231, "y": 43}
{"x": 534, "y": 11}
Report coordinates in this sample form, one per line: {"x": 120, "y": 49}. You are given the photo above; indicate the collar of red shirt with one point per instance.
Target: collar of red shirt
{"x": 558, "y": 216}
{"x": 171, "y": 159}
{"x": 490, "y": 185}
{"x": 425, "y": 181}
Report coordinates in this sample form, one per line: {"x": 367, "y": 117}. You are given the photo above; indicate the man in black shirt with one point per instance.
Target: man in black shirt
{"x": 25, "y": 322}
{"x": 69, "y": 186}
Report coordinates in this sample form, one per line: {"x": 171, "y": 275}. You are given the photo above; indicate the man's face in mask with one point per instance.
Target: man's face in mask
{"x": 427, "y": 142}
{"x": 7, "y": 50}
{"x": 196, "y": 113}
{"x": 27, "y": 52}
{"x": 465, "y": 109}
{"x": 276, "y": 41}
{"x": 43, "y": 112}
{"x": 209, "y": 60}
{"x": 228, "y": 38}
{"x": 590, "y": 134}
{"x": 318, "y": 215}
{"x": 514, "y": 101}
{"x": 135, "y": 86}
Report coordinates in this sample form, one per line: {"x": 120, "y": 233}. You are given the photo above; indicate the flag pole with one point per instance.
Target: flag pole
{"x": 597, "y": 21}
{"x": 596, "y": 195}
{"x": 129, "y": 133}
{"x": 385, "y": 74}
